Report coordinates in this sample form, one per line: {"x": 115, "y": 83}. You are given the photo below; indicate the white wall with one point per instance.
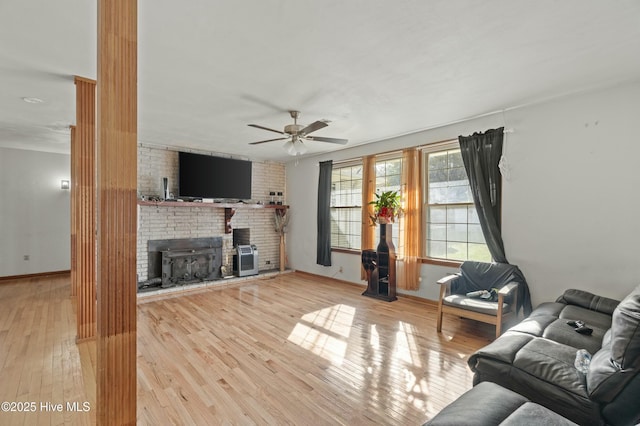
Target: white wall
{"x": 570, "y": 205}
{"x": 34, "y": 212}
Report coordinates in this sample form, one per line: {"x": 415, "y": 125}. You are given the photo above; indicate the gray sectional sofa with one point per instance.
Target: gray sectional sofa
{"x": 536, "y": 358}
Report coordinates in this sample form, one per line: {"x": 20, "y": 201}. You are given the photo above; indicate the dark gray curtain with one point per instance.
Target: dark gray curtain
{"x": 324, "y": 214}
{"x": 481, "y": 154}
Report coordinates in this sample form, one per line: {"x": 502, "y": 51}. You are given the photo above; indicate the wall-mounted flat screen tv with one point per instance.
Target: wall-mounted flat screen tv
{"x": 205, "y": 176}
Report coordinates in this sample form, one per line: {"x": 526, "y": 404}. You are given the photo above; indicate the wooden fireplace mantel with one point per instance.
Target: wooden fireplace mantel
{"x": 229, "y": 208}
{"x": 212, "y": 205}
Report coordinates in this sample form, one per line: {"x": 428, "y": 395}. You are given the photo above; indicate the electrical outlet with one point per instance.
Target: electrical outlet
{"x": 268, "y": 262}
{"x": 26, "y": 257}
{"x": 340, "y": 270}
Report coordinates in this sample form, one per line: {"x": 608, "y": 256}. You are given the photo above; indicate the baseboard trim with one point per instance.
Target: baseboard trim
{"x": 403, "y": 295}
{"x": 312, "y": 275}
{"x": 37, "y": 275}
{"x": 85, "y": 340}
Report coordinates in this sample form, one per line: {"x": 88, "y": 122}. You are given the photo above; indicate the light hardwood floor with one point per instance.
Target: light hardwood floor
{"x": 293, "y": 349}
{"x": 39, "y": 359}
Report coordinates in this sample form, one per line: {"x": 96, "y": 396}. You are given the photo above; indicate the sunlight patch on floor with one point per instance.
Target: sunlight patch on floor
{"x": 325, "y": 332}
{"x": 406, "y": 348}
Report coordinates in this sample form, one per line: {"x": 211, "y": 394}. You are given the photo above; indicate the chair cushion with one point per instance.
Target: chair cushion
{"x": 475, "y": 304}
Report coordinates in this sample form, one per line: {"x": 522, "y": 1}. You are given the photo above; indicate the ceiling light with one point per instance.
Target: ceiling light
{"x": 33, "y": 100}
{"x": 295, "y": 147}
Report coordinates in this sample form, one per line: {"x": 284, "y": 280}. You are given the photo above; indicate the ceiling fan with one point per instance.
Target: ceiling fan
{"x": 296, "y": 134}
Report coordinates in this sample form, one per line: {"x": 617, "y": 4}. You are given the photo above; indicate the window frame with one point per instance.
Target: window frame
{"x": 333, "y": 208}
{"x": 426, "y": 151}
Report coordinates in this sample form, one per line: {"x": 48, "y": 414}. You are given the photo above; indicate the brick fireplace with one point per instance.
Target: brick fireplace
{"x": 186, "y": 222}
{"x": 182, "y": 261}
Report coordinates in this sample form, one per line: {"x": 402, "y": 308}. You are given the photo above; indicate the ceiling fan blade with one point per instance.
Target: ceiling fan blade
{"x": 330, "y": 140}
{"x": 268, "y": 140}
{"x": 317, "y": 125}
{"x": 266, "y": 128}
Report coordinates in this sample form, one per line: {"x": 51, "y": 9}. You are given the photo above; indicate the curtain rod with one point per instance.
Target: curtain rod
{"x": 430, "y": 144}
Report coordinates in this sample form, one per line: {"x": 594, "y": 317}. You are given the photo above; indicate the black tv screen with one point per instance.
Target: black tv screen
{"x": 204, "y": 176}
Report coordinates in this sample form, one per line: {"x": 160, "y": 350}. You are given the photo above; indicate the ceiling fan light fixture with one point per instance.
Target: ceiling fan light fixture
{"x": 295, "y": 147}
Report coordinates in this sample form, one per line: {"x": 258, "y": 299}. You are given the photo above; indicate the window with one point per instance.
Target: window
{"x": 388, "y": 178}
{"x": 453, "y": 230}
{"x": 346, "y": 205}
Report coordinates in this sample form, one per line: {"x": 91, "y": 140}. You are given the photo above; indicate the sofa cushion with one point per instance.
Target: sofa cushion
{"x": 549, "y": 320}
{"x": 616, "y": 364}
{"x": 503, "y": 349}
{"x": 534, "y": 325}
{"x": 561, "y": 332}
{"x": 484, "y": 404}
{"x": 625, "y": 332}
{"x": 591, "y": 318}
{"x": 588, "y": 300}
{"x": 552, "y": 362}
{"x": 530, "y": 413}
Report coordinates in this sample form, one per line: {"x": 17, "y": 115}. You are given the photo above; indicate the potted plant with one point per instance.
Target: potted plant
{"x": 386, "y": 207}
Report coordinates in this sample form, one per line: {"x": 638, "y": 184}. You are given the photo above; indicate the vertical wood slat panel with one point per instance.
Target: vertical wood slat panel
{"x": 86, "y": 208}
{"x": 74, "y": 210}
{"x": 117, "y": 212}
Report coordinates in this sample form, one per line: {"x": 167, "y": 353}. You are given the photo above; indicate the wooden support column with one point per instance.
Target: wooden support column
{"x": 117, "y": 212}
{"x": 73, "y": 210}
{"x": 85, "y": 208}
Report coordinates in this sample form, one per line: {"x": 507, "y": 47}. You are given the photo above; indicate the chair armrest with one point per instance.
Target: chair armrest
{"x": 507, "y": 289}
{"x": 447, "y": 280}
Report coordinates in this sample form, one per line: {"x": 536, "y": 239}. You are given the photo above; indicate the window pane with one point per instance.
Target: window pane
{"x": 457, "y": 232}
{"x": 393, "y": 181}
{"x": 438, "y": 160}
{"x": 475, "y": 234}
{"x": 473, "y": 214}
{"x": 459, "y": 194}
{"x": 457, "y": 251}
{"x": 437, "y": 249}
{"x": 438, "y": 195}
{"x": 437, "y": 214}
{"x": 479, "y": 252}
{"x": 437, "y": 176}
{"x": 457, "y": 214}
{"x": 455, "y": 158}
{"x": 458, "y": 175}
{"x": 437, "y": 231}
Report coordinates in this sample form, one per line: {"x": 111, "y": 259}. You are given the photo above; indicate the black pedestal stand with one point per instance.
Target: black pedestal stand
{"x": 380, "y": 266}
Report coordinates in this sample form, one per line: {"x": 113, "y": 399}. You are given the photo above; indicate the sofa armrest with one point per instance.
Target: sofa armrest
{"x": 589, "y": 301}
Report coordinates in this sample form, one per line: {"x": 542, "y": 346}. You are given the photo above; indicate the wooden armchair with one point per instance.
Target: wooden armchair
{"x": 453, "y": 298}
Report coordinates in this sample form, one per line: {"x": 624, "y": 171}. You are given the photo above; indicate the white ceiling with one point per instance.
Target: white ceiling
{"x": 375, "y": 69}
